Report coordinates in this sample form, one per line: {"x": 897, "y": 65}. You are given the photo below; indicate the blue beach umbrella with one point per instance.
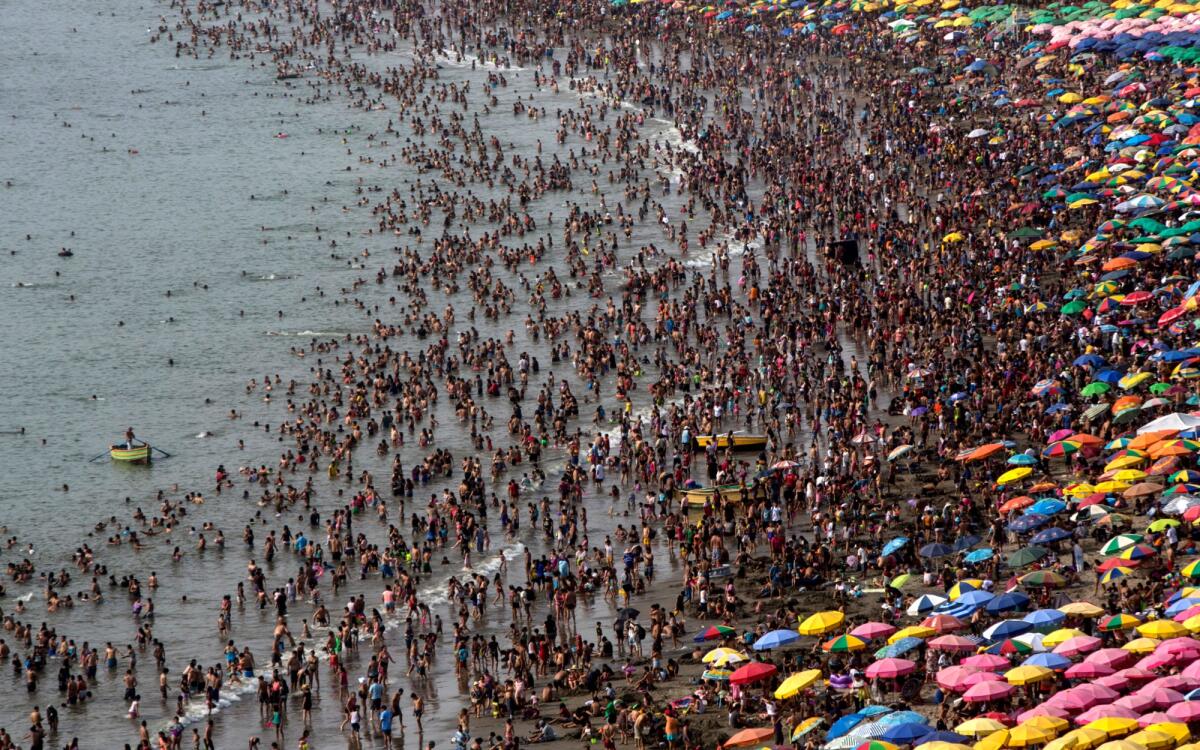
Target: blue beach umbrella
{"x": 905, "y": 734}
{"x": 1045, "y": 619}
{"x": 775, "y": 639}
{"x": 1049, "y": 660}
{"x": 980, "y": 555}
{"x": 1007, "y": 629}
{"x": 1010, "y": 601}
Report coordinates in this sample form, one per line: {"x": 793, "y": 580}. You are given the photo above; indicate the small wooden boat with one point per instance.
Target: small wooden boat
{"x": 136, "y": 454}
{"x": 697, "y": 497}
{"x": 741, "y": 441}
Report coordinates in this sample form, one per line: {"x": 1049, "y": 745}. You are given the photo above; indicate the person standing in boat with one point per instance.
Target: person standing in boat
{"x": 129, "y": 438}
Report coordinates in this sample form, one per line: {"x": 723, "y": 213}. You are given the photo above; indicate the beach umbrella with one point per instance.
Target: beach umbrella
{"x": 980, "y": 726}
{"x": 912, "y": 631}
{"x": 943, "y": 623}
{"x": 1009, "y": 646}
{"x": 811, "y": 723}
{"x": 1027, "y": 556}
{"x": 1045, "y": 619}
{"x": 1048, "y": 536}
{"x": 1042, "y": 579}
{"x": 840, "y": 729}
{"x": 980, "y": 555}
{"x": 1081, "y": 609}
{"x": 1026, "y": 735}
{"x": 1007, "y": 629}
{"x": 1025, "y": 675}
{"x": 841, "y": 644}
{"x": 721, "y": 675}
{"x": 748, "y": 737}
{"x": 983, "y": 692}
{"x": 1080, "y": 644}
{"x": 1120, "y": 543}
{"x": 755, "y": 671}
{"x": 714, "y": 632}
{"x": 1027, "y": 523}
{"x": 1112, "y": 575}
{"x": 1119, "y": 622}
{"x": 994, "y": 741}
{"x": 936, "y": 549}
{"x": 988, "y": 661}
{"x": 890, "y": 669}
{"x": 1141, "y": 645}
{"x": 1011, "y": 601}
{"x": 869, "y": 631}
{"x": 822, "y": 623}
{"x": 952, "y": 643}
{"x": 721, "y": 656}
{"x": 1014, "y": 475}
{"x": 796, "y": 683}
{"x": 877, "y": 745}
{"x": 899, "y": 648}
{"x": 777, "y": 638}
{"x": 895, "y": 545}
{"x": 1161, "y": 629}
{"x": 925, "y": 603}
{"x": 906, "y": 734}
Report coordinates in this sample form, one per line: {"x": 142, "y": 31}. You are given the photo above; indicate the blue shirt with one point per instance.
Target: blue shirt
{"x": 385, "y": 720}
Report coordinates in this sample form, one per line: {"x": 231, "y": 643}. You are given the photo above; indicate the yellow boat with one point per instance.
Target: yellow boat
{"x": 696, "y": 498}
{"x": 136, "y": 454}
{"x": 741, "y": 441}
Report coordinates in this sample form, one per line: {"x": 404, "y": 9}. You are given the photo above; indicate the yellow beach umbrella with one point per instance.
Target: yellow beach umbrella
{"x": 1176, "y": 730}
{"x": 1027, "y": 674}
{"x": 721, "y": 656}
{"x": 1014, "y": 475}
{"x": 1050, "y": 723}
{"x": 912, "y": 631}
{"x": 1081, "y": 609}
{"x": 1026, "y": 735}
{"x": 1062, "y": 743}
{"x": 796, "y": 683}
{"x": 1151, "y": 740}
{"x": 1085, "y": 738}
{"x": 994, "y": 741}
{"x": 980, "y": 726}
{"x": 1141, "y": 645}
{"x": 1161, "y": 629}
{"x": 822, "y": 623}
{"x": 1060, "y": 635}
{"x": 1113, "y": 726}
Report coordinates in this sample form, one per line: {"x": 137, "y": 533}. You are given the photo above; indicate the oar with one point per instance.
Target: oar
{"x": 163, "y": 452}
{"x": 96, "y": 458}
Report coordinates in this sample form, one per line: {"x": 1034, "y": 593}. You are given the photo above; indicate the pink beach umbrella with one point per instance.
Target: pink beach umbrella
{"x": 952, "y": 643}
{"x": 1106, "y": 711}
{"x": 978, "y": 677}
{"x": 1158, "y": 717}
{"x": 1162, "y": 698}
{"x": 1182, "y": 645}
{"x": 1180, "y": 682}
{"x": 989, "y": 662}
{"x": 989, "y": 690}
{"x": 1099, "y": 692}
{"x": 1187, "y": 711}
{"x": 1080, "y": 644}
{"x": 1136, "y": 674}
{"x": 889, "y": 669}
{"x": 1110, "y": 657}
{"x": 1135, "y": 702}
{"x": 1088, "y": 671}
{"x": 1191, "y": 671}
{"x": 1043, "y": 710}
{"x": 869, "y": 631}
{"x": 1155, "y": 661}
{"x": 954, "y": 678}
{"x": 1117, "y": 682}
